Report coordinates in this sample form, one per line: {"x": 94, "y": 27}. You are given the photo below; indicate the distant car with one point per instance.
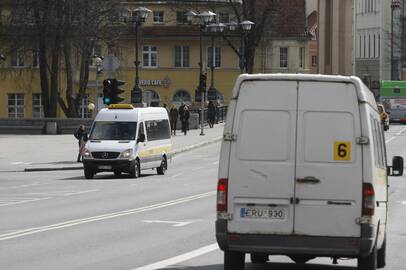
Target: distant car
{"x": 384, "y": 116}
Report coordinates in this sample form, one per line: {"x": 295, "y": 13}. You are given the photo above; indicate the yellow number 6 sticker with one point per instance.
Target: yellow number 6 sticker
{"x": 342, "y": 151}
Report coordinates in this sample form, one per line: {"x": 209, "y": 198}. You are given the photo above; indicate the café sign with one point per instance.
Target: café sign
{"x": 165, "y": 82}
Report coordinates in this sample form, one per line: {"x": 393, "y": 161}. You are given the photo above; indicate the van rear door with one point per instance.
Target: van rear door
{"x": 262, "y": 159}
{"x": 328, "y": 185}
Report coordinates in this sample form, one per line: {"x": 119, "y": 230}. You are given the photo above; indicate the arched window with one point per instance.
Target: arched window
{"x": 151, "y": 98}
{"x": 182, "y": 96}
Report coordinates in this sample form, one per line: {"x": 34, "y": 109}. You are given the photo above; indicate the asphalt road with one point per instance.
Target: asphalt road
{"x": 59, "y": 220}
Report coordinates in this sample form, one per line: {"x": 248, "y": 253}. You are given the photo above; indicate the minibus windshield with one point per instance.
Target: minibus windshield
{"x": 117, "y": 131}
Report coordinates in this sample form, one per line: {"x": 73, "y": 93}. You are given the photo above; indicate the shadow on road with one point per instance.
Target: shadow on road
{"x": 110, "y": 177}
{"x": 273, "y": 266}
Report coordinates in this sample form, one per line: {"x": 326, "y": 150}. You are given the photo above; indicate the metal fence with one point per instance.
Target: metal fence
{"x": 221, "y": 114}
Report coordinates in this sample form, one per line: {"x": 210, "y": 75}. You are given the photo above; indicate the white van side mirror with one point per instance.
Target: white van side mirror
{"x": 141, "y": 138}
{"x": 397, "y": 166}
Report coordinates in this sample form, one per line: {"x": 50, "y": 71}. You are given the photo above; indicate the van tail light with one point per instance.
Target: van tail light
{"x": 222, "y": 190}
{"x": 368, "y": 207}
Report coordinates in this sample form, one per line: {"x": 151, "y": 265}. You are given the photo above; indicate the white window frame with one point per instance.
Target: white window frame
{"x": 149, "y": 52}
{"x": 18, "y": 58}
{"x": 19, "y": 109}
{"x": 38, "y": 107}
{"x": 283, "y": 58}
{"x": 157, "y": 15}
{"x": 184, "y": 61}
{"x": 215, "y": 57}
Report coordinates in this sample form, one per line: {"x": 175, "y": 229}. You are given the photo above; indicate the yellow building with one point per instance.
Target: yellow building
{"x": 169, "y": 69}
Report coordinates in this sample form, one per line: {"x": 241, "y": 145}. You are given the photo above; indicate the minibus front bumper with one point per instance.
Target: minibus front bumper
{"x": 108, "y": 165}
{"x": 317, "y": 246}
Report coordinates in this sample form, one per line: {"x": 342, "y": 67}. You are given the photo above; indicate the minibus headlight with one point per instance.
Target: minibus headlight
{"x": 127, "y": 153}
{"x": 87, "y": 154}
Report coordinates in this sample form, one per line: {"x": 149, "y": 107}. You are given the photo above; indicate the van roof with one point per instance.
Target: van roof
{"x": 363, "y": 92}
{"x": 130, "y": 115}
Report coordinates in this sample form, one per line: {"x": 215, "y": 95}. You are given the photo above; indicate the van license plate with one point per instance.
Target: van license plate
{"x": 105, "y": 167}
{"x": 263, "y": 213}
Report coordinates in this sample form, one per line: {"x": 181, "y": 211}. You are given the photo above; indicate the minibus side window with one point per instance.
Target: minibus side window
{"x": 158, "y": 129}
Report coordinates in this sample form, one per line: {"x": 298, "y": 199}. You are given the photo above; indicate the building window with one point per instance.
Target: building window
{"x": 37, "y": 108}
{"x": 283, "y": 57}
{"x": 365, "y": 49}
{"x": 35, "y": 58}
{"x": 83, "y": 110}
{"x": 181, "y": 17}
{"x": 214, "y": 58}
{"x": 301, "y": 57}
{"x": 182, "y": 56}
{"x": 151, "y": 98}
{"x": 224, "y": 17}
{"x": 16, "y": 105}
{"x": 369, "y": 46}
{"x": 359, "y": 46}
{"x": 158, "y": 17}
{"x": 150, "y": 56}
{"x": 182, "y": 96}
{"x": 314, "y": 60}
{"x": 17, "y": 58}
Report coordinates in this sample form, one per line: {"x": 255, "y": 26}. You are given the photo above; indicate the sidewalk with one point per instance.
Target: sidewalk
{"x": 58, "y": 152}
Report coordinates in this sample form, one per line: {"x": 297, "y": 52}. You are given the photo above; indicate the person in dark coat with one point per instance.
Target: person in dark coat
{"x": 80, "y": 135}
{"x": 211, "y": 113}
{"x": 173, "y": 118}
{"x": 185, "y": 120}
{"x": 181, "y": 110}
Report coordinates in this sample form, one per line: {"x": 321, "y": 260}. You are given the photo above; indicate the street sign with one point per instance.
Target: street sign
{"x": 110, "y": 63}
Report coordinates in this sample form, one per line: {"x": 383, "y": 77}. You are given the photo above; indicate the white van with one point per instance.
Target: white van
{"x": 303, "y": 171}
{"x": 128, "y": 139}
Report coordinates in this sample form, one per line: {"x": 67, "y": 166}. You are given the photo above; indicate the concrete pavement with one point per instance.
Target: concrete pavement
{"x": 59, "y": 152}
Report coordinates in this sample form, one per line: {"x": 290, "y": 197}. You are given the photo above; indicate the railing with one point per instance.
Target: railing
{"x": 220, "y": 115}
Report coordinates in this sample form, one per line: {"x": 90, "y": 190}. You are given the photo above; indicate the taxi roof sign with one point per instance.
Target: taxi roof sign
{"x": 120, "y": 107}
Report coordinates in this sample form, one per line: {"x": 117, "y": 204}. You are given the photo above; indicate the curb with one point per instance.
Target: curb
{"x": 173, "y": 153}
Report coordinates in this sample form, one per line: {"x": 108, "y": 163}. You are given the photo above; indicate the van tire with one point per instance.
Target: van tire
{"x": 368, "y": 262}
{"x": 301, "y": 259}
{"x": 136, "y": 170}
{"x": 117, "y": 173}
{"x": 259, "y": 258}
{"x": 89, "y": 173}
{"x": 382, "y": 255}
{"x": 234, "y": 260}
{"x": 164, "y": 166}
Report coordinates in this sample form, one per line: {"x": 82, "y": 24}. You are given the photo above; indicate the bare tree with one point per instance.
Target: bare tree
{"x": 57, "y": 30}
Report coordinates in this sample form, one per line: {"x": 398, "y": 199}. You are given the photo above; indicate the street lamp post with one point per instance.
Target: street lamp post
{"x": 98, "y": 62}
{"x": 137, "y": 16}
{"x": 214, "y": 28}
{"x": 205, "y": 17}
{"x": 245, "y": 28}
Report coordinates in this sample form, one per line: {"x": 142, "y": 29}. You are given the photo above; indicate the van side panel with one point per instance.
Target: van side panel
{"x": 262, "y": 158}
{"x": 329, "y": 177}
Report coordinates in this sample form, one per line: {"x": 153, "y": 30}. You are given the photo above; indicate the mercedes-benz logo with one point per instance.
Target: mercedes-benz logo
{"x": 105, "y": 155}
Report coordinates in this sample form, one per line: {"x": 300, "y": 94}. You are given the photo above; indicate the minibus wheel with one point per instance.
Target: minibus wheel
{"x": 259, "y": 258}
{"x": 135, "y": 171}
{"x": 234, "y": 260}
{"x": 164, "y": 166}
{"x": 89, "y": 173}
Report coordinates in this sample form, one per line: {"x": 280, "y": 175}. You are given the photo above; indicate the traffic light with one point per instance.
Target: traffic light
{"x": 116, "y": 91}
{"x": 107, "y": 91}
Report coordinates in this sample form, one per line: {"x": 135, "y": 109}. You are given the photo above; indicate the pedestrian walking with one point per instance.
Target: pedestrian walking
{"x": 185, "y": 120}
{"x": 211, "y": 113}
{"x": 173, "y": 118}
{"x": 81, "y": 136}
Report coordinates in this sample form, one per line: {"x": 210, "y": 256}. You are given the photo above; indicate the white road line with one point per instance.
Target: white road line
{"x": 76, "y": 222}
{"x": 79, "y": 192}
{"x": 181, "y": 258}
{"x": 27, "y": 185}
{"x": 197, "y": 169}
{"x": 215, "y": 163}
{"x": 397, "y": 134}
{"x": 24, "y": 201}
{"x": 388, "y": 140}
{"x": 403, "y": 202}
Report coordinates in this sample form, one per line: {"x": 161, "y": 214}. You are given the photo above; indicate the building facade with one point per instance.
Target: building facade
{"x": 372, "y": 42}
{"x": 335, "y": 43}
{"x": 169, "y": 56}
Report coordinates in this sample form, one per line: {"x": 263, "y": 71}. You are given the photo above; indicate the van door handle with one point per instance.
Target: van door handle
{"x": 308, "y": 180}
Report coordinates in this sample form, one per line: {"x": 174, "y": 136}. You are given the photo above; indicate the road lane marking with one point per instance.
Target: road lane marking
{"x": 394, "y": 137}
{"x": 14, "y": 202}
{"x": 26, "y": 185}
{"x": 176, "y": 175}
{"x": 173, "y": 223}
{"x": 181, "y": 258}
{"x": 79, "y": 192}
{"x": 403, "y": 202}
{"x": 75, "y": 222}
